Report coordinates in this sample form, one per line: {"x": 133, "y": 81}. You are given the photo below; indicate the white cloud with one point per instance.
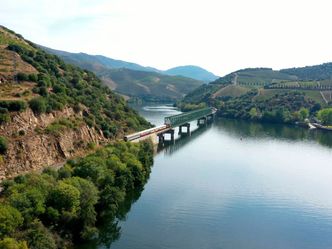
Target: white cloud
{"x": 221, "y": 36}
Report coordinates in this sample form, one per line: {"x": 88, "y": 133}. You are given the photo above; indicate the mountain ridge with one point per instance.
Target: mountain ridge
{"x": 199, "y": 73}
{"x": 131, "y": 79}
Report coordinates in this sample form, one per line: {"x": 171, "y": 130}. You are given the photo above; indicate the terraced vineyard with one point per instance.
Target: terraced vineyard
{"x": 307, "y": 85}
{"x": 268, "y": 83}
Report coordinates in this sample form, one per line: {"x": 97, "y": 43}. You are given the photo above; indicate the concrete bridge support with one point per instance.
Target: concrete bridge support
{"x": 202, "y": 121}
{"x": 210, "y": 118}
{"x": 162, "y": 139}
{"x": 187, "y": 132}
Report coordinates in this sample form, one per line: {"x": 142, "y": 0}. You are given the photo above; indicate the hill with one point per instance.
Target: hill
{"x": 266, "y": 94}
{"x": 317, "y": 72}
{"x": 50, "y": 110}
{"x": 314, "y": 81}
{"x": 96, "y": 63}
{"x": 194, "y": 72}
{"x": 150, "y": 85}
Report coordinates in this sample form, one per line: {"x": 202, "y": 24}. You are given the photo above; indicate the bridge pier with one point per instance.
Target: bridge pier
{"x": 210, "y": 117}
{"x": 202, "y": 121}
{"x": 187, "y": 125}
{"x": 162, "y": 139}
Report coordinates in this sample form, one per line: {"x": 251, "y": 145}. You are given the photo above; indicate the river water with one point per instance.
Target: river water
{"x": 231, "y": 185}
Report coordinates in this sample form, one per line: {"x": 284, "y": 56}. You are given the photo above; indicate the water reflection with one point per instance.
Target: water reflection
{"x": 109, "y": 226}
{"x": 247, "y": 129}
{"x": 183, "y": 140}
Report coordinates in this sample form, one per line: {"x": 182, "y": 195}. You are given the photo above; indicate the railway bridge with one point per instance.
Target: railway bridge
{"x": 203, "y": 116}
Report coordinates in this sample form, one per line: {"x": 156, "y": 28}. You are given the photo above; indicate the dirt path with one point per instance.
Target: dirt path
{"x": 235, "y": 79}
{"x": 323, "y": 96}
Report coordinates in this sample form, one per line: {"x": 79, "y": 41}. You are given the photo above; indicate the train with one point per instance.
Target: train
{"x": 145, "y": 132}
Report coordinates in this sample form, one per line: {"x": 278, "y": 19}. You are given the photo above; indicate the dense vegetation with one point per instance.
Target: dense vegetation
{"x": 59, "y": 85}
{"x": 317, "y": 72}
{"x": 325, "y": 115}
{"x": 52, "y": 209}
{"x": 288, "y": 107}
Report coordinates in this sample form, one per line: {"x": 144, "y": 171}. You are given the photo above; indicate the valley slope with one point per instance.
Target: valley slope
{"x": 136, "y": 81}
{"x": 266, "y": 94}
{"x": 51, "y": 111}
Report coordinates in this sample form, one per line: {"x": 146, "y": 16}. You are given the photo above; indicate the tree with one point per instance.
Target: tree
{"x": 325, "y": 115}
{"x": 30, "y": 201}
{"x": 10, "y": 243}
{"x": 304, "y": 113}
{"x": 66, "y": 199}
{"x": 88, "y": 199}
{"x": 10, "y": 220}
{"x": 39, "y": 237}
{"x": 253, "y": 113}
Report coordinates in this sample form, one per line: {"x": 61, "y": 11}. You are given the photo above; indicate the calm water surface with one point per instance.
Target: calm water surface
{"x": 232, "y": 185}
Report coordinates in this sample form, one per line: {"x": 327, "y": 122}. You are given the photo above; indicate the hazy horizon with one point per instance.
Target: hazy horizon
{"x": 219, "y": 36}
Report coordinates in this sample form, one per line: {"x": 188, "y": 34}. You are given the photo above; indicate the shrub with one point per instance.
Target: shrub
{"x": 38, "y": 105}
{"x": 3, "y": 145}
{"x": 13, "y": 105}
{"x": 4, "y": 118}
{"x": 22, "y": 77}
{"x": 33, "y": 77}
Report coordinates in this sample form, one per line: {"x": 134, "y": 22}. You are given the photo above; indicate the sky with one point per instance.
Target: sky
{"x": 220, "y": 36}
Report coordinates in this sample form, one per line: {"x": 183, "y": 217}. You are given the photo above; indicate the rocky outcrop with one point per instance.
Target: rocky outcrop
{"x": 34, "y": 150}
{"x": 27, "y": 121}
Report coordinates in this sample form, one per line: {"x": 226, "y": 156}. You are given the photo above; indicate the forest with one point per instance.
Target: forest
{"x": 59, "y": 207}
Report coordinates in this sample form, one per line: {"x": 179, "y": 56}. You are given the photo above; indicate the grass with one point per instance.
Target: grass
{"x": 60, "y": 125}
{"x": 13, "y": 91}
{"x": 232, "y": 91}
{"x": 265, "y": 94}
{"x": 9, "y": 38}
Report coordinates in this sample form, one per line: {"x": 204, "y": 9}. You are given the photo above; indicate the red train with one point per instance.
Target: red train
{"x": 145, "y": 132}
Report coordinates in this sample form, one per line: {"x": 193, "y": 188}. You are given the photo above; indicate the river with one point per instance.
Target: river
{"x": 231, "y": 185}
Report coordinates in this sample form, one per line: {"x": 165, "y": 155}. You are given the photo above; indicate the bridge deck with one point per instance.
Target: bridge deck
{"x": 171, "y": 122}
{"x": 186, "y": 117}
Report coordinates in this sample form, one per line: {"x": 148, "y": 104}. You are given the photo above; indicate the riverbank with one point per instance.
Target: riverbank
{"x": 59, "y": 207}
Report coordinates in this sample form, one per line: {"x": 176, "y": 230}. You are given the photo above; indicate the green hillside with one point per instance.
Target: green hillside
{"x": 58, "y": 115}
{"x": 266, "y": 94}
{"x": 136, "y": 81}
{"x": 32, "y": 78}
{"x": 148, "y": 86}
{"x": 317, "y": 72}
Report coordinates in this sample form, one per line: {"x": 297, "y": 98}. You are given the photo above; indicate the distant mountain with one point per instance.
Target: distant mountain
{"x": 149, "y": 86}
{"x": 131, "y": 79}
{"x": 97, "y": 62}
{"x": 194, "y": 72}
